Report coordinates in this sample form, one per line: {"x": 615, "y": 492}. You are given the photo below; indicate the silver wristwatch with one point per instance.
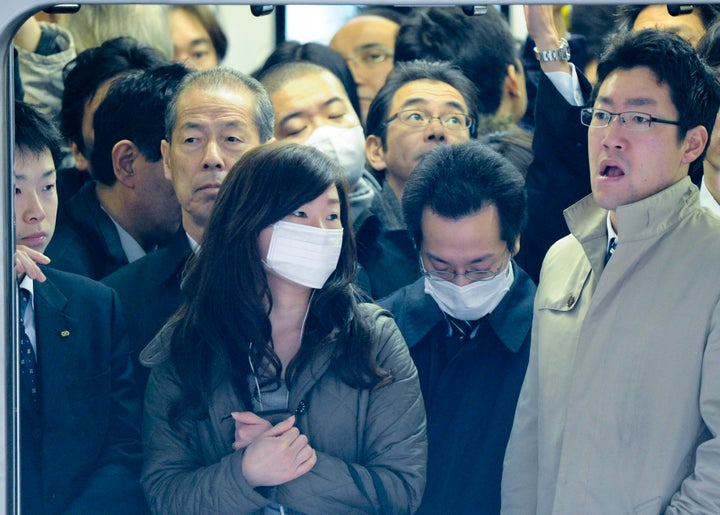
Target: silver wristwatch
{"x": 556, "y": 54}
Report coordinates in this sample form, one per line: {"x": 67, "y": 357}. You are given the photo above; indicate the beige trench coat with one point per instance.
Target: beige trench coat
{"x": 620, "y": 408}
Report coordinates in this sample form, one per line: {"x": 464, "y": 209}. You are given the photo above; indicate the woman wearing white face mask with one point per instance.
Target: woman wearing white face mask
{"x": 273, "y": 384}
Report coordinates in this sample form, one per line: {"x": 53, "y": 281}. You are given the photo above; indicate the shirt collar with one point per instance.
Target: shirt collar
{"x": 29, "y": 285}
{"x": 707, "y": 200}
{"x": 133, "y": 250}
{"x": 612, "y": 235}
{"x": 194, "y": 246}
{"x": 511, "y": 320}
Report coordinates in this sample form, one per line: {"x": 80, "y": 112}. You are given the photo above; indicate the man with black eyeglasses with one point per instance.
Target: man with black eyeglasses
{"x": 366, "y": 42}
{"x": 467, "y": 320}
{"x": 421, "y": 106}
{"x": 558, "y": 176}
{"x": 620, "y": 407}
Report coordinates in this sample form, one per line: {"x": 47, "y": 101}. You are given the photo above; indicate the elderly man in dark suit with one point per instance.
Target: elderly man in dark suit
{"x": 214, "y": 117}
{"x": 80, "y": 412}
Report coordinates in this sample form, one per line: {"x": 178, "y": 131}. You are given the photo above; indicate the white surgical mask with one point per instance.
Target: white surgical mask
{"x": 304, "y": 254}
{"x": 472, "y": 301}
{"x": 344, "y": 145}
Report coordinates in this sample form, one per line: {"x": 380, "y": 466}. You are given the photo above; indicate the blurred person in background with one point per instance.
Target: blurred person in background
{"x": 86, "y": 82}
{"x": 367, "y": 42}
{"x": 129, "y": 209}
{"x": 322, "y": 55}
{"x": 92, "y": 24}
{"x": 199, "y": 41}
{"x": 482, "y": 47}
{"x": 709, "y": 51}
{"x": 422, "y": 105}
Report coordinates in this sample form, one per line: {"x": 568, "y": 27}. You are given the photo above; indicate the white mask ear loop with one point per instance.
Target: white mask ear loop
{"x": 257, "y": 384}
{"x": 307, "y": 311}
{"x": 252, "y": 367}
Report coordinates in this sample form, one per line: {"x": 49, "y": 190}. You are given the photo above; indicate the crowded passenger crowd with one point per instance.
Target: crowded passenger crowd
{"x": 421, "y": 269}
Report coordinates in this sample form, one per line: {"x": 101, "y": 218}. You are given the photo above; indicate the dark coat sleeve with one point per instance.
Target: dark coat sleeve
{"x": 559, "y": 175}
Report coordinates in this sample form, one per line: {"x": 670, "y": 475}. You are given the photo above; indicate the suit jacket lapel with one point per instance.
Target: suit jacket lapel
{"x": 57, "y": 336}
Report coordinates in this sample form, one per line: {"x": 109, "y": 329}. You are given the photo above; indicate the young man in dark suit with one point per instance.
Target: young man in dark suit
{"x": 467, "y": 319}
{"x": 80, "y": 412}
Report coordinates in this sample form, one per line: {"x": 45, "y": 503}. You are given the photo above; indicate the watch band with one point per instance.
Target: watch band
{"x": 554, "y": 55}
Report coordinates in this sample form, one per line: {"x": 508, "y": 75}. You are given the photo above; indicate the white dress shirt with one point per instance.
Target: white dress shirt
{"x": 29, "y": 315}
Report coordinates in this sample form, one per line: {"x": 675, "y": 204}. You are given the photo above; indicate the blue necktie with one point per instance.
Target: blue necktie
{"x": 611, "y": 249}
{"x": 28, "y": 363}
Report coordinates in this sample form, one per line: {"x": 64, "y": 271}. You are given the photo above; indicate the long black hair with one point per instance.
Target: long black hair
{"x": 225, "y": 319}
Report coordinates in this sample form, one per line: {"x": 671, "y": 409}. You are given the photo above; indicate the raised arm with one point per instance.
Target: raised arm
{"x": 559, "y": 175}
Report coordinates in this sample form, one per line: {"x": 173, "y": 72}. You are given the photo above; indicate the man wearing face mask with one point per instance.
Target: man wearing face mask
{"x": 467, "y": 320}
{"x": 312, "y": 108}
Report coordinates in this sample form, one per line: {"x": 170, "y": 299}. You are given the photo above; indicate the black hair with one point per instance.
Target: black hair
{"x": 134, "y": 109}
{"x": 322, "y": 55}
{"x": 403, "y": 73}
{"x": 709, "y": 46}
{"x": 455, "y": 181}
{"x": 90, "y": 69}
{"x": 34, "y": 132}
{"x": 595, "y": 23}
{"x": 218, "y": 327}
{"x": 626, "y": 14}
{"x": 481, "y": 46}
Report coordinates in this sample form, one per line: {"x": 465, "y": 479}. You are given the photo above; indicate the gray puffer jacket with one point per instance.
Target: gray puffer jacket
{"x": 371, "y": 445}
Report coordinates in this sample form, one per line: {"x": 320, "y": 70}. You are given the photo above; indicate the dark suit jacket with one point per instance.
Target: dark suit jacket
{"x": 86, "y": 241}
{"x": 81, "y": 452}
{"x": 533, "y": 72}
{"x": 149, "y": 291}
{"x": 385, "y": 251}
{"x": 69, "y": 181}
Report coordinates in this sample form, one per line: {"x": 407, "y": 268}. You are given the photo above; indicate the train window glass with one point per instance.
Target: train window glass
{"x": 316, "y": 23}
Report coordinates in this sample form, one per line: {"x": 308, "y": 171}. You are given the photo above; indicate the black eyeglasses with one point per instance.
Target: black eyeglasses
{"x": 420, "y": 119}
{"x": 470, "y": 275}
{"x": 633, "y": 120}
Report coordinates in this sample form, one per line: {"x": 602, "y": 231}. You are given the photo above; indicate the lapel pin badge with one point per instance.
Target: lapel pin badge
{"x": 64, "y": 333}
